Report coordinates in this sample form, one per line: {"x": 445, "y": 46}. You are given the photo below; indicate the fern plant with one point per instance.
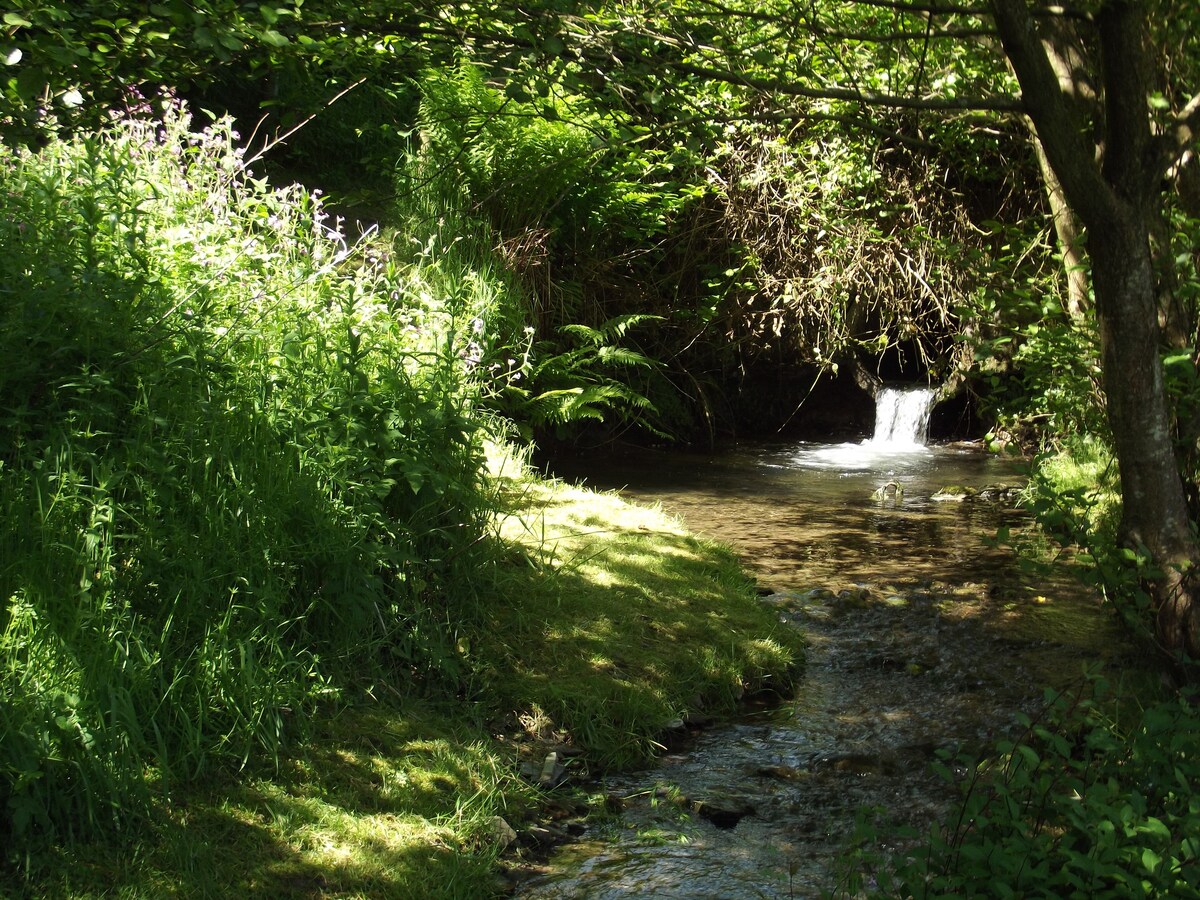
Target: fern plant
{"x": 591, "y": 380}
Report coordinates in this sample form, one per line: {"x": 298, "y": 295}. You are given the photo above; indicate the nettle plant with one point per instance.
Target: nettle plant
{"x": 239, "y": 460}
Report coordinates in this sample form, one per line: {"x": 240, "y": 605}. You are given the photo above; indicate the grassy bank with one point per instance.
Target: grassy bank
{"x": 606, "y": 622}
{"x": 280, "y": 613}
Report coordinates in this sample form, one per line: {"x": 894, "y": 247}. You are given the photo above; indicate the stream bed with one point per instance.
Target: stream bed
{"x": 922, "y": 636}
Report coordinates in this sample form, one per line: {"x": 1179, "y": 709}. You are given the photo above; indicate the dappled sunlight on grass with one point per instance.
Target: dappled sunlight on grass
{"x": 604, "y": 624}
{"x": 624, "y": 622}
{"x": 386, "y": 802}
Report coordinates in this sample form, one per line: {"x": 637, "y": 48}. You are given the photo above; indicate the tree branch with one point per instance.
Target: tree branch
{"x": 1057, "y": 122}
{"x": 1182, "y": 136}
{"x": 997, "y": 103}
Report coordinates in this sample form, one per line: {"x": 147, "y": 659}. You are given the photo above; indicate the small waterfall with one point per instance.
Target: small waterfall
{"x": 902, "y": 417}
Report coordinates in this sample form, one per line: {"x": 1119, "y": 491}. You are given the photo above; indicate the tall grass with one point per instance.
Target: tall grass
{"x": 239, "y": 465}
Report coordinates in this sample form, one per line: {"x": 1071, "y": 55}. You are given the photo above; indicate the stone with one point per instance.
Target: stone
{"x": 541, "y": 836}
{"x": 502, "y": 832}
{"x": 779, "y": 773}
{"x": 893, "y": 490}
{"x": 724, "y": 812}
{"x": 952, "y": 493}
{"x": 552, "y": 770}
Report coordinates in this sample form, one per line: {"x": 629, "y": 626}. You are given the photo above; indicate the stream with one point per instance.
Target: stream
{"x": 921, "y": 634}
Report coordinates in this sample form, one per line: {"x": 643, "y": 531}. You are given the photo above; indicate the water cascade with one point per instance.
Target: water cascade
{"x": 902, "y": 417}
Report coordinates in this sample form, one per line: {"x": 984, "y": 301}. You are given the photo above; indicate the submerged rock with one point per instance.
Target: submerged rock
{"x": 893, "y": 490}
{"x": 991, "y": 493}
{"x": 861, "y": 764}
{"x": 952, "y": 493}
{"x": 724, "y": 812}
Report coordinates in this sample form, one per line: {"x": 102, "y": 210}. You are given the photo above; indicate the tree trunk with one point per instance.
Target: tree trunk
{"x": 1155, "y": 514}
{"x": 1070, "y": 238}
{"x": 1115, "y": 201}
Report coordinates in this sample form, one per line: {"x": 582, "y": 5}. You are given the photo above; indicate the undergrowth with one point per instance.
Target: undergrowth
{"x": 1085, "y": 802}
{"x": 251, "y": 527}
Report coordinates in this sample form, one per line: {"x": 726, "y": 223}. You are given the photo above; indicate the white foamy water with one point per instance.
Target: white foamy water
{"x": 902, "y": 418}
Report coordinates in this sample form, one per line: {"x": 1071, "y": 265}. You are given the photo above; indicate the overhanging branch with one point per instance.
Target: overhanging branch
{"x": 1182, "y": 136}
{"x": 995, "y": 103}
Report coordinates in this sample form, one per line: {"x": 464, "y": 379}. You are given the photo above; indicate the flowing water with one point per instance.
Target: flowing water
{"x": 902, "y": 418}
{"x": 922, "y": 636}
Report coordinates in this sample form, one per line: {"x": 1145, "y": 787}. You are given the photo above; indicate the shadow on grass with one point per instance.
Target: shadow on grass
{"x": 382, "y": 804}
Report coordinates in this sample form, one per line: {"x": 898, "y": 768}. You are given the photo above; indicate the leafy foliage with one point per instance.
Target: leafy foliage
{"x": 1079, "y": 805}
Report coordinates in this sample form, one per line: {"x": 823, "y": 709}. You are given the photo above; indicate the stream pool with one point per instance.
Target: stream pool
{"x": 922, "y": 635}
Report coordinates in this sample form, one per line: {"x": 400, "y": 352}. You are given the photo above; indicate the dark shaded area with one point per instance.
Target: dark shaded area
{"x": 958, "y": 418}
{"x": 836, "y": 408}
{"x": 803, "y": 405}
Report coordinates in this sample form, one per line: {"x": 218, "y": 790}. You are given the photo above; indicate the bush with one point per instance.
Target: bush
{"x": 239, "y": 461}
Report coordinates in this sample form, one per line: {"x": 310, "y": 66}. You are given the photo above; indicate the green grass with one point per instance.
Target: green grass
{"x": 605, "y": 622}
{"x": 630, "y": 623}
{"x": 249, "y": 532}
{"x": 385, "y": 801}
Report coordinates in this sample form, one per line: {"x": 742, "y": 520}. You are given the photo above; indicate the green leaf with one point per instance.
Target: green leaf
{"x": 273, "y": 38}
{"x": 17, "y": 20}
{"x": 516, "y": 92}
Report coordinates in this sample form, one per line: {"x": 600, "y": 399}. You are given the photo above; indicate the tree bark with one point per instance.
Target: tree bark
{"x": 1070, "y": 237}
{"x": 1155, "y": 514}
{"x": 1114, "y": 200}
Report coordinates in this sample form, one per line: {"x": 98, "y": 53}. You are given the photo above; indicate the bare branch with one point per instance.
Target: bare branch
{"x": 894, "y": 37}
{"x": 951, "y": 9}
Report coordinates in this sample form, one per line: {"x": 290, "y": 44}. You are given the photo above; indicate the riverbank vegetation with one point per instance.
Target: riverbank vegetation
{"x": 270, "y": 569}
{"x": 1093, "y": 798}
{"x": 256, "y": 508}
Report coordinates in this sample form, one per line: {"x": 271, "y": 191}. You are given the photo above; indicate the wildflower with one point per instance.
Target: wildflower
{"x": 471, "y": 355}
